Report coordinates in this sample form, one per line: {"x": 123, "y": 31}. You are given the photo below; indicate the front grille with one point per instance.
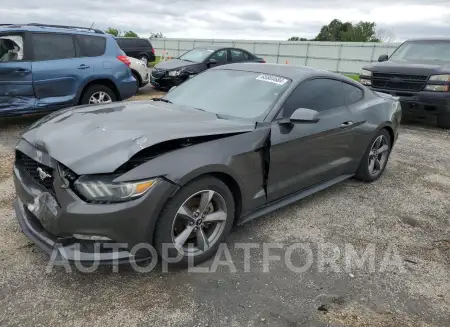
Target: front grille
{"x": 158, "y": 73}
{"x": 399, "y": 81}
{"x": 32, "y": 168}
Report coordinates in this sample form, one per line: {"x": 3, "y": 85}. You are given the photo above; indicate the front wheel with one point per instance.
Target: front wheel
{"x": 375, "y": 158}
{"x": 195, "y": 221}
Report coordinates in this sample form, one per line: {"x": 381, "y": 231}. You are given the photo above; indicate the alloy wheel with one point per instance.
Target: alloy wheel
{"x": 144, "y": 59}
{"x": 199, "y": 223}
{"x": 100, "y": 97}
{"x": 378, "y": 155}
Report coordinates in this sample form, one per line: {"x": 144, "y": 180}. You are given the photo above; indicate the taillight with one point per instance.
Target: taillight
{"x": 125, "y": 60}
{"x": 263, "y": 61}
{"x": 153, "y": 50}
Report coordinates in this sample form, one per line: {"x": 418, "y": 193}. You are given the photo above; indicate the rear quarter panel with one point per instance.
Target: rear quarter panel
{"x": 371, "y": 115}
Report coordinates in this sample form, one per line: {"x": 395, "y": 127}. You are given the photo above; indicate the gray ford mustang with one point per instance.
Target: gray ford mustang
{"x": 226, "y": 146}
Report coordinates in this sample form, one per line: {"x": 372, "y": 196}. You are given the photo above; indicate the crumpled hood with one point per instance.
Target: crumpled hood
{"x": 174, "y": 64}
{"x": 99, "y": 139}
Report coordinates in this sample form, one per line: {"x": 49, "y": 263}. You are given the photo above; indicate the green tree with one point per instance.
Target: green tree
{"x": 347, "y": 32}
{"x": 296, "y": 38}
{"x": 158, "y": 35}
{"x": 130, "y": 34}
{"x": 113, "y": 31}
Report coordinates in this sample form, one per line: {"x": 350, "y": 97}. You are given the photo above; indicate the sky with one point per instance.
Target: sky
{"x": 235, "y": 19}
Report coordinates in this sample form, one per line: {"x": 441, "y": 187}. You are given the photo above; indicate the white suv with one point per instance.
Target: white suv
{"x": 140, "y": 72}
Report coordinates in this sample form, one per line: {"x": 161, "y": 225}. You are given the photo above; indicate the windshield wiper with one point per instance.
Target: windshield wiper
{"x": 163, "y": 100}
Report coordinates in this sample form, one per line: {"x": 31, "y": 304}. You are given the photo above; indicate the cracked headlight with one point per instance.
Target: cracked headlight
{"x": 175, "y": 72}
{"x": 103, "y": 189}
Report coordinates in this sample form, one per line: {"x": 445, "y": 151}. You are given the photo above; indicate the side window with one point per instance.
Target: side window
{"x": 143, "y": 43}
{"x": 220, "y": 56}
{"x": 352, "y": 93}
{"x": 237, "y": 55}
{"x": 247, "y": 56}
{"x": 53, "y": 46}
{"x": 11, "y": 48}
{"x": 92, "y": 46}
{"x": 318, "y": 94}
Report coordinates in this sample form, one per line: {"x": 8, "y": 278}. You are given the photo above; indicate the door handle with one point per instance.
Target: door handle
{"x": 22, "y": 71}
{"x": 346, "y": 124}
{"x": 83, "y": 67}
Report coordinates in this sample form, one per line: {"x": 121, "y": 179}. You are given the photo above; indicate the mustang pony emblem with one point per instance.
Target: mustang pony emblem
{"x": 42, "y": 174}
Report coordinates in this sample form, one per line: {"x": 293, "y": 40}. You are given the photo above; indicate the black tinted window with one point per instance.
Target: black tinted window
{"x": 237, "y": 55}
{"x": 126, "y": 43}
{"x": 352, "y": 93}
{"x": 142, "y": 43}
{"x": 316, "y": 94}
{"x": 53, "y": 46}
{"x": 220, "y": 56}
{"x": 91, "y": 46}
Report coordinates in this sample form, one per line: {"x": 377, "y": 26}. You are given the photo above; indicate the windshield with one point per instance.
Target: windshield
{"x": 231, "y": 93}
{"x": 196, "y": 55}
{"x": 423, "y": 51}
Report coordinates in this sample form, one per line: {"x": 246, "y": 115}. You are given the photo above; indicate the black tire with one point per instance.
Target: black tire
{"x": 93, "y": 89}
{"x": 364, "y": 173}
{"x": 144, "y": 58}
{"x": 164, "y": 230}
{"x": 138, "y": 81}
{"x": 443, "y": 121}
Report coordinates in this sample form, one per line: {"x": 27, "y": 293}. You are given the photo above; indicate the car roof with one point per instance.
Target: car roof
{"x": 295, "y": 73}
{"x": 31, "y": 28}
{"x": 430, "y": 39}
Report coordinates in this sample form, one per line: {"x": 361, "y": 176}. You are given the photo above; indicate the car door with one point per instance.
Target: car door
{"x": 305, "y": 154}
{"x": 133, "y": 45}
{"x": 58, "y": 73}
{"x": 16, "y": 81}
{"x": 221, "y": 56}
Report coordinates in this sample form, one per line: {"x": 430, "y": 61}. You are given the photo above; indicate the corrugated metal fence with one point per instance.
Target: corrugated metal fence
{"x": 341, "y": 57}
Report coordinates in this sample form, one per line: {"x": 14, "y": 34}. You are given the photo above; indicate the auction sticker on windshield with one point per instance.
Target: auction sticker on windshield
{"x": 272, "y": 79}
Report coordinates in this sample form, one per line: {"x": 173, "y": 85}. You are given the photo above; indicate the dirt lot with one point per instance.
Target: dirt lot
{"x": 407, "y": 210}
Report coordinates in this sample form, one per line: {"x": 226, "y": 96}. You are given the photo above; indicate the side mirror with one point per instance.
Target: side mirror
{"x": 212, "y": 62}
{"x": 172, "y": 88}
{"x": 303, "y": 115}
{"x": 383, "y": 57}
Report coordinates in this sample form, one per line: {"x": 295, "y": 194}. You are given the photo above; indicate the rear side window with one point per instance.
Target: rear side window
{"x": 237, "y": 55}
{"x": 352, "y": 93}
{"x": 53, "y": 46}
{"x": 126, "y": 43}
{"x": 318, "y": 94}
{"x": 91, "y": 46}
{"x": 11, "y": 48}
{"x": 143, "y": 43}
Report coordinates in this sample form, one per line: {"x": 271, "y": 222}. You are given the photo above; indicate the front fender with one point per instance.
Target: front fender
{"x": 238, "y": 156}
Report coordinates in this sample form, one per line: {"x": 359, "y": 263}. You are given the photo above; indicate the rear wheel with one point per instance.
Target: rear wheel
{"x": 376, "y": 157}
{"x": 195, "y": 221}
{"x": 144, "y": 59}
{"x": 443, "y": 121}
{"x": 96, "y": 94}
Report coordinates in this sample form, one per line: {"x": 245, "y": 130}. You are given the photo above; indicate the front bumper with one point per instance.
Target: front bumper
{"x": 51, "y": 220}
{"x": 166, "y": 82}
{"x": 422, "y": 102}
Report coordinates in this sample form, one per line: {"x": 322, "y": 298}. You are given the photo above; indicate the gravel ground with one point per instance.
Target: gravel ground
{"x": 406, "y": 213}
